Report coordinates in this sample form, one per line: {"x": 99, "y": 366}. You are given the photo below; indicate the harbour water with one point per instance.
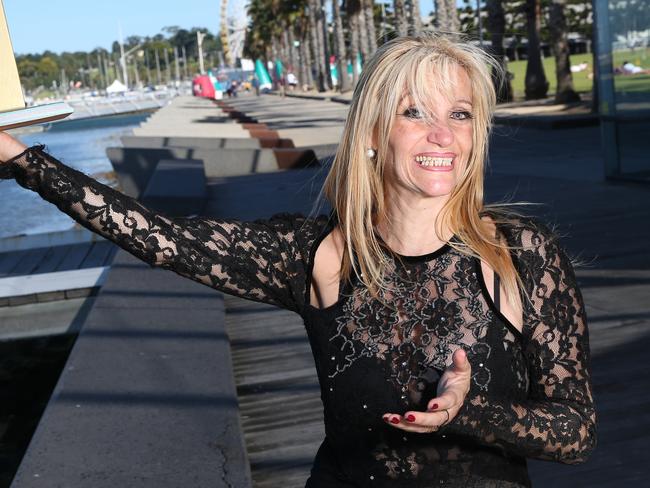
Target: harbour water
{"x": 81, "y": 146}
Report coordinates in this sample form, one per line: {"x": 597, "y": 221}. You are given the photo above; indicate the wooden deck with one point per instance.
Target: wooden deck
{"x": 53, "y": 273}
{"x": 58, "y": 258}
{"x": 279, "y": 397}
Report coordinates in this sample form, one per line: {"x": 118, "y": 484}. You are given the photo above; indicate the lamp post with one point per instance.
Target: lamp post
{"x": 123, "y": 57}
{"x": 199, "y": 39}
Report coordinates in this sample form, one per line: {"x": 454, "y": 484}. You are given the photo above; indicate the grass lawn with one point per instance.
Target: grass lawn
{"x": 581, "y": 81}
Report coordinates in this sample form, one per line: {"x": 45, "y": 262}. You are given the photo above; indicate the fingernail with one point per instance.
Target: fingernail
{"x": 386, "y": 419}
{"x": 394, "y": 420}
{"x": 434, "y": 407}
{"x": 410, "y": 418}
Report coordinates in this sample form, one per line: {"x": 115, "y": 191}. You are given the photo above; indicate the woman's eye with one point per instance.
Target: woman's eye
{"x": 412, "y": 113}
{"x": 462, "y": 115}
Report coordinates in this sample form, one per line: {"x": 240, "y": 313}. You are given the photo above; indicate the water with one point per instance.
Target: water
{"x": 24, "y": 212}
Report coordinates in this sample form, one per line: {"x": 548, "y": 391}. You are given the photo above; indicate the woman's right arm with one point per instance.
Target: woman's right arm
{"x": 255, "y": 260}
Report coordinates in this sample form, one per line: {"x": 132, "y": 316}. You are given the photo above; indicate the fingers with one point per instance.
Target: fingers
{"x": 421, "y": 422}
{"x": 460, "y": 363}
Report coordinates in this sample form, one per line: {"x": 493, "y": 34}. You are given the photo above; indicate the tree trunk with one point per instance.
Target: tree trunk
{"x": 536, "y": 83}
{"x": 339, "y": 48}
{"x": 453, "y": 21}
{"x": 416, "y": 19}
{"x": 316, "y": 44}
{"x": 325, "y": 45}
{"x": 305, "y": 50}
{"x": 497, "y": 27}
{"x": 401, "y": 21}
{"x": 565, "y": 92}
{"x": 353, "y": 21}
{"x": 363, "y": 31}
{"x": 293, "y": 58}
{"x": 367, "y": 8}
{"x": 442, "y": 22}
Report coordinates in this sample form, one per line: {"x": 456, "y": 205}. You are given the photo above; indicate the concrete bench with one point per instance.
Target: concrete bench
{"x": 177, "y": 187}
{"x": 205, "y": 142}
{"x": 134, "y": 166}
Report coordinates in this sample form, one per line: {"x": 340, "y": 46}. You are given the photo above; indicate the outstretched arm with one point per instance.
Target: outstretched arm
{"x": 254, "y": 260}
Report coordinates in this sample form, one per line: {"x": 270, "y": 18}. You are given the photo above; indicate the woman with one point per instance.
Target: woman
{"x": 449, "y": 338}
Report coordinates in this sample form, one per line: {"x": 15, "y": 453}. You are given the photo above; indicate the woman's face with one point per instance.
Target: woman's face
{"x": 427, "y": 159}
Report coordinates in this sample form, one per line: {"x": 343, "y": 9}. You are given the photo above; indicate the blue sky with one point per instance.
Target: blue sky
{"x": 82, "y": 25}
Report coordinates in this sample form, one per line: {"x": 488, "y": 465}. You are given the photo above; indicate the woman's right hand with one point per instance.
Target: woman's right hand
{"x": 9, "y": 147}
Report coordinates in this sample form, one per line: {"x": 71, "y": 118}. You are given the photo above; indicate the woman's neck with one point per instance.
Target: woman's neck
{"x": 410, "y": 225}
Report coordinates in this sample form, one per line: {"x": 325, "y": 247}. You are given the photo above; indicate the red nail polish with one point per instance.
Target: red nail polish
{"x": 434, "y": 407}
{"x": 410, "y": 418}
{"x": 394, "y": 420}
{"x": 386, "y": 419}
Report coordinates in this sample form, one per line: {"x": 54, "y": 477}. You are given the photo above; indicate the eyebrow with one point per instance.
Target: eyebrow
{"x": 462, "y": 100}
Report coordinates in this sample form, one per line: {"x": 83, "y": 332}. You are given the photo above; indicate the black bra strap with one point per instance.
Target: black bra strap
{"x": 497, "y": 292}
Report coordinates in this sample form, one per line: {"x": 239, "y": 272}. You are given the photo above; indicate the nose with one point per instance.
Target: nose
{"x": 440, "y": 133}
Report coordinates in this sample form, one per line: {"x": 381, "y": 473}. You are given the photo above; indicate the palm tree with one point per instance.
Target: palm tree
{"x": 447, "y": 16}
{"x": 353, "y": 27}
{"x": 339, "y": 48}
{"x": 317, "y": 44}
{"x": 558, "y": 29}
{"x": 368, "y": 10}
{"x": 452, "y": 16}
{"x": 415, "y": 19}
{"x": 536, "y": 83}
{"x": 364, "y": 44}
{"x": 441, "y": 15}
{"x": 401, "y": 20}
{"x": 497, "y": 27}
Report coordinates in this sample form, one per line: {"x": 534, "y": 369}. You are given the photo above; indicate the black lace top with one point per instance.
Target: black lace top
{"x": 530, "y": 392}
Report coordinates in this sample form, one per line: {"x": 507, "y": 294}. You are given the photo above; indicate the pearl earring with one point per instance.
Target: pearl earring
{"x": 371, "y": 153}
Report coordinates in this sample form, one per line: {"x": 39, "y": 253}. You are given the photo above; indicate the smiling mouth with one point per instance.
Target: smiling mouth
{"x": 433, "y": 162}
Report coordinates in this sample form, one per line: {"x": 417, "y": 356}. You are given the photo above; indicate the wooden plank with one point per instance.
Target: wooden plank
{"x": 9, "y": 261}
{"x": 52, "y": 259}
{"x": 15, "y": 286}
{"x": 274, "y": 371}
{"x": 98, "y": 254}
{"x": 75, "y": 256}
{"x": 29, "y": 262}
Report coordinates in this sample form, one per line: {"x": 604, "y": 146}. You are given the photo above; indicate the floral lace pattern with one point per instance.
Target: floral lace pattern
{"x": 530, "y": 393}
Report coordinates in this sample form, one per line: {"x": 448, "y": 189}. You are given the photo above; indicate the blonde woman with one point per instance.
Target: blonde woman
{"x": 449, "y": 337}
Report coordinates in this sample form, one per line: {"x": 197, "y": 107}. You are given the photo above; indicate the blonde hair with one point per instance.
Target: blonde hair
{"x": 421, "y": 67}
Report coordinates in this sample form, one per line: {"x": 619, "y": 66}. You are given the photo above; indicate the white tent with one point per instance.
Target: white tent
{"x": 116, "y": 87}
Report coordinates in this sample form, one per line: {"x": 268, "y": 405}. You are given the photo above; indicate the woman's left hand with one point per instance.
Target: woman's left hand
{"x": 452, "y": 390}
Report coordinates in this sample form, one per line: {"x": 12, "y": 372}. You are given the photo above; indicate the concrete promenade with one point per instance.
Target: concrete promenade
{"x": 164, "y": 390}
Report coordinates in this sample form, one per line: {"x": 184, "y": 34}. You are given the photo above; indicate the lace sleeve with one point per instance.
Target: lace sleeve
{"x": 259, "y": 260}
{"x": 557, "y": 420}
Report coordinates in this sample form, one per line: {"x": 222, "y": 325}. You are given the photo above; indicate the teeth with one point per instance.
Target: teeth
{"x": 428, "y": 161}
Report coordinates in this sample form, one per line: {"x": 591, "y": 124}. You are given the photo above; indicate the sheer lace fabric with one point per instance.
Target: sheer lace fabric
{"x": 530, "y": 392}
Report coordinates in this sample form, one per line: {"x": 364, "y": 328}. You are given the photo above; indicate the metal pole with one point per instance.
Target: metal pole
{"x": 123, "y": 60}
{"x": 480, "y": 22}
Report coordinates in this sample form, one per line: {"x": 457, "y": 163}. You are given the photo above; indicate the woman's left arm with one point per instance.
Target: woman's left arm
{"x": 557, "y": 421}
